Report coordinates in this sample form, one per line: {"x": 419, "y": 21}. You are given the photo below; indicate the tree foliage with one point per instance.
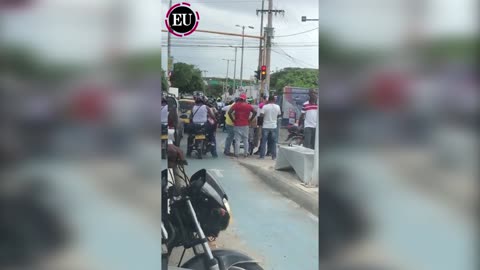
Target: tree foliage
{"x": 187, "y": 78}
{"x": 298, "y": 77}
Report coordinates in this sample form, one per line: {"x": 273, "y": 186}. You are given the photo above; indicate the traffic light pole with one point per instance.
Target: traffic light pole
{"x": 269, "y": 36}
{"x": 260, "y": 51}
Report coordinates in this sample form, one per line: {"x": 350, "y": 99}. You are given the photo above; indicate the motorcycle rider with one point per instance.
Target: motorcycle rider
{"x": 199, "y": 115}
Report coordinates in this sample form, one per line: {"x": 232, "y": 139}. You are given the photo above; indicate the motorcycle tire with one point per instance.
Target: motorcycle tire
{"x": 201, "y": 146}
{"x": 246, "y": 266}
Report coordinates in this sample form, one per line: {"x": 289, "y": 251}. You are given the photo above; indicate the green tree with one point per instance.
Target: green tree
{"x": 187, "y": 78}
{"x": 297, "y": 77}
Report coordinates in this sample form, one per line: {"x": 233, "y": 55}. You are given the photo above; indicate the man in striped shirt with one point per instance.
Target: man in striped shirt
{"x": 309, "y": 117}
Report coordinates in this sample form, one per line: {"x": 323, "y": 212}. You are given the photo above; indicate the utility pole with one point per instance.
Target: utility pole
{"x": 269, "y": 36}
{"x": 260, "y": 52}
{"x": 241, "y": 60}
{"x": 243, "y": 46}
{"x": 235, "y": 71}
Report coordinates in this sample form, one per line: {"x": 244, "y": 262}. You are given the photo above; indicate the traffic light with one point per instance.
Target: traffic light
{"x": 257, "y": 74}
{"x": 263, "y": 73}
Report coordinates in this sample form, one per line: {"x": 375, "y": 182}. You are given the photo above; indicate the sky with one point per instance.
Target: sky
{"x": 298, "y": 51}
{"x": 76, "y": 30}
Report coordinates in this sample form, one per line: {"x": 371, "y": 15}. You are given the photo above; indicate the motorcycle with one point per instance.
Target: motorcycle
{"x": 193, "y": 214}
{"x": 221, "y": 119}
{"x": 295, "y": 136}
{"x": 198, "y": 141}
{"x": 164, "y": 138}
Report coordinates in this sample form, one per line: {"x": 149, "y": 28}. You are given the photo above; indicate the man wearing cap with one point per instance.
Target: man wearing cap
{"x": 240, "y": 115}
{"x": 309, "y": 117}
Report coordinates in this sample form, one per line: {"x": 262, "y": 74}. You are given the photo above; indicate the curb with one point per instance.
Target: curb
{"x": 285, "y": 187}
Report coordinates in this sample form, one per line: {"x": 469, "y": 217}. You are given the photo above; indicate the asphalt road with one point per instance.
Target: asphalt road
{"x": 266, "y": 225}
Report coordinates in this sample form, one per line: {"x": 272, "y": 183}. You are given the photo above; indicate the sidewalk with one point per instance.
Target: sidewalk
{"x": 285, "y": 182}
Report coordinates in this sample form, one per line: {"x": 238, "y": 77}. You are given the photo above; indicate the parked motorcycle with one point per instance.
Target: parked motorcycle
{"x": 193, "y": 214}
{"x": 295, "y": 136}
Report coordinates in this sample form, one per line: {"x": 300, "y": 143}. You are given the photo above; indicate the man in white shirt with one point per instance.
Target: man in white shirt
{"x": 309, "y": 118}
{"x": 270, "y": 113}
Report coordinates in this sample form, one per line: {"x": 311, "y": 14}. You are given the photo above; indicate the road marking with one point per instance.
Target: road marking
{"x": 217, "y": 172}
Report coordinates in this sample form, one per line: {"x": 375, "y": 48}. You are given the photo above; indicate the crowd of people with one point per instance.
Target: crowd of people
{"x": 246, "y": 122}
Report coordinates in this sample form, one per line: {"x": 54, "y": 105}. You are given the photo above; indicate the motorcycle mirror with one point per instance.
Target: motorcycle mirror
{"x": 197, "y": 180}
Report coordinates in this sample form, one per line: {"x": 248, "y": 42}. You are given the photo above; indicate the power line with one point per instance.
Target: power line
{"x": 298, "y": 33}
{"x": 292, "y": 60}
{"x": 187, "y": 42}
{"x": 226, "y": 2}
{"x": 293, "y": 57}
{"x": 295, "y": 60}
{"x": 230, "y": 46}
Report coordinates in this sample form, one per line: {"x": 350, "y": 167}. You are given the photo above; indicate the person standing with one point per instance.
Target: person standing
{"x": 242, "y": 121}
{"x": 212, "y": 129}
{"x": 309, "y": 117}
{"x": 229, "y": 128}
{"x": 252, "y": 130}
{"x": 258, "y": 136}
{"x": 270, "y": 113}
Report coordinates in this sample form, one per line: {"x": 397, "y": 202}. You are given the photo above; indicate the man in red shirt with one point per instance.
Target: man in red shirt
{"x": 240, "y": 115}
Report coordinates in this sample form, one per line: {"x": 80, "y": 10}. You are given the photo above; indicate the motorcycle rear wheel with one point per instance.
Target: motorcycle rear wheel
{"x": 200, "y": 147}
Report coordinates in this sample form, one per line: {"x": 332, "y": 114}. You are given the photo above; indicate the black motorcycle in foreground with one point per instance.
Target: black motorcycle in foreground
{"x": 194, "y": 211}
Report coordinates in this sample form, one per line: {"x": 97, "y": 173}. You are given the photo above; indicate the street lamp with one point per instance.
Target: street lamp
{"x": 243, "y": 45}
{"x": 235, "y": 68}
{"x": 304, "y": 19}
